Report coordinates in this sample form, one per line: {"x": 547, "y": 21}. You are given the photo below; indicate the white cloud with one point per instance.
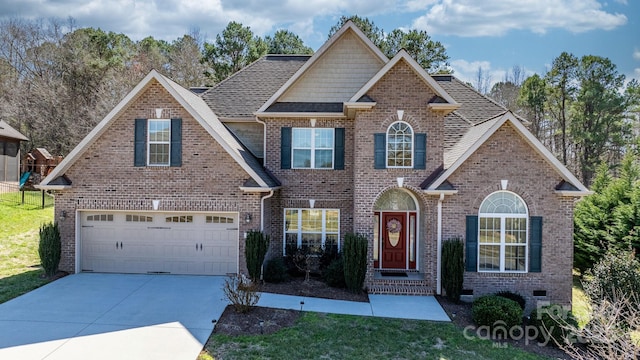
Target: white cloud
{"x": 467, "y": 71}
{"x": 497, "y": 17}
{"x": 636, "y": 54}
{"x": 636, "y": 71}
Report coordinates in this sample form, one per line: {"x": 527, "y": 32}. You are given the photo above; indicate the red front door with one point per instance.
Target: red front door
{"x": 394, "y": 240}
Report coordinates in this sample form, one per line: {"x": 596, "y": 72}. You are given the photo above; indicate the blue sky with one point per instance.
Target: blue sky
{"x": 492, "y": 34}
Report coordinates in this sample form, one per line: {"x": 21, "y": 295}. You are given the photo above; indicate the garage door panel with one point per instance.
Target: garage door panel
{"x": 146, "y": 242}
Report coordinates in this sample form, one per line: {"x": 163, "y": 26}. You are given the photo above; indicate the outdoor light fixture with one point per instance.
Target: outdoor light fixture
{"x": 247, "y": 218}
{"x": 63, "y": 215}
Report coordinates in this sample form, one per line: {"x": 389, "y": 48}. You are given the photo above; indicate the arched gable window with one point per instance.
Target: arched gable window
{"x": 502, "y": 233}
{"x": 400, "y": 145}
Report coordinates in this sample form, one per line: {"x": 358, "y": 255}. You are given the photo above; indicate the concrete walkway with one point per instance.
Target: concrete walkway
{"x": 390, "y": 306}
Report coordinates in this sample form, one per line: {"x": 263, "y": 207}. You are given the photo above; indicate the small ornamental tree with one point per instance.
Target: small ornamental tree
{"x": 453, "y": 267}
{"x": 50, "y": 248}
{"x": 355, "y": 260}
{"x": 255, "y": 250}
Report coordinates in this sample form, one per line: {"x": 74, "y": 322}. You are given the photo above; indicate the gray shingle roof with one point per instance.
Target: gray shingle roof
{"x": 475, "y": 107}
{"x": 243, "y": 93}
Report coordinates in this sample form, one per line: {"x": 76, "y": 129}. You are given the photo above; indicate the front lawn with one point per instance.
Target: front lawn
{"x": 329, "y": 336}
{"x": 19, "y": 262}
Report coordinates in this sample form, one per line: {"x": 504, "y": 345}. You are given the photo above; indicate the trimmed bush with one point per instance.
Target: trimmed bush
{"x": 453, "y": 267}
{"x": 355, "y": 260}
{"x": 554, "y": 321}
{"x": 276, "y": 271}
{"x": 334, "y": 274}
{"x": 50, "y": 248}
{"x": 513, "y": 296}
{"x": 496, "y": 312}
{"x": 255, "y": 250}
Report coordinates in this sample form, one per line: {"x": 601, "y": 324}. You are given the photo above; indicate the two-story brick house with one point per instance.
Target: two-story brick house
{"x": 307, "y": 149}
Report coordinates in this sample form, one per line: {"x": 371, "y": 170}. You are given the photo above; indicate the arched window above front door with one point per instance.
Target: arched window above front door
{"x": 395, "y": 200}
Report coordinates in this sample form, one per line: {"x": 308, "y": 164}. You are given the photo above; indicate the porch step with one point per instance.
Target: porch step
{"x": 400, "y": 287}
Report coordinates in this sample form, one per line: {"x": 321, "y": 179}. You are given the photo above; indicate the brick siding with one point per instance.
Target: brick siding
{"x": 104, "y": 176}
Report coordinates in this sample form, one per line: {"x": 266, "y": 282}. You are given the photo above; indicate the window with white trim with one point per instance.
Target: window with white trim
{"x": 503, "y": 236}
{"x": 311, "y": 229}
{"x": 400, "y": 145}
{"x": 159, "y": 142}
{"x": 312, "y": 148}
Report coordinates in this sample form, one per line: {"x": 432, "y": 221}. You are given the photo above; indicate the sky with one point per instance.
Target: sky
{"x": 494, "y": 35}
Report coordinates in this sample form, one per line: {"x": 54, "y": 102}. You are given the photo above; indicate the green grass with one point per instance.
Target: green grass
{"x": 32, "y": 199}
{"x": 329, "y": 336}
{"x": 19, "y": 262}
{"x": 580, "y": 303}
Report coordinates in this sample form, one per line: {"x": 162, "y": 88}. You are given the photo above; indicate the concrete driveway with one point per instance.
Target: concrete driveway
{"x": 112, "y": 316}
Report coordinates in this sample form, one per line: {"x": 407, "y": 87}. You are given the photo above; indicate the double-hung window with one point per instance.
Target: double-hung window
{"x": 311, "y": 229}
{"x": 312, "y": 148}
{"x": 159, "y": 144}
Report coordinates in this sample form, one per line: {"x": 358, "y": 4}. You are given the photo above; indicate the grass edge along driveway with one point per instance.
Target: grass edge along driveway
{"x": 20, "y": 268}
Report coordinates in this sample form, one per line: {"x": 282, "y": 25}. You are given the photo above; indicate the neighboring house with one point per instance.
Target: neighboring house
{"x": 10, "y": 153}
{"x": 309, "y": 148}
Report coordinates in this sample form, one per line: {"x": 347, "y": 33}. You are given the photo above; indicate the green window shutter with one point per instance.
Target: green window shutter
{"x": 175, "y": 158}
{"x": 285, "y": 148}
{"x": 535, "y": 244}
{"x": 140, "y": 143}
{"x": 420, "y": 151}
{"x": 471, "y": 261}
{"x": 338, "y": 153}
{"x": 380, "y": 151}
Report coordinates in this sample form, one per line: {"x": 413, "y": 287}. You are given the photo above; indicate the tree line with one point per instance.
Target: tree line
{"x": 582, "y": 109}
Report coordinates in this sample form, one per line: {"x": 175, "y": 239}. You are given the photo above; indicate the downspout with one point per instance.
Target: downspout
{"x": 439, "y": 249}
{"x": 262, "y": 209}
{"x": 264, "y": 158}
{"x": 264, "y": 139}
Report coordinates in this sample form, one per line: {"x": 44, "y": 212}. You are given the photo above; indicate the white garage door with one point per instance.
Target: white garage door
{"x": 152, "y": 242}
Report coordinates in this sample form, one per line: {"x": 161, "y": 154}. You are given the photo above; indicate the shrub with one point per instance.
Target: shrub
{"x": 513, "y": 296}
{"x": 327, "y": 256}
{"x": 496, "y": 312}
{"x": 255, "y": 249}
{"x": 617, "y": 271}
{"x": 276, "y": 271}
{"x": 334, "y": 273}
{"x": 453, "y": 267}
{"x": 553, "y": 322}
{"x": 49, "y": 248}
{"x": 355, "y": 260}
{"x": 241, "y": 292}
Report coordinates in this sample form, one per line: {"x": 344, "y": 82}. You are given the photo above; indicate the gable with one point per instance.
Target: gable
{"x": 338, "y": 74}
{"x": 482, "y": 134}
{"x": 440, "y": 100}
{"x": 108, "y": 162}
{"x": 193, "y": 105}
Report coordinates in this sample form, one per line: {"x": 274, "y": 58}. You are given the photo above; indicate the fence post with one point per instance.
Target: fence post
{"x": 42, "y": 199}
{"x": 23, "y": 196}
